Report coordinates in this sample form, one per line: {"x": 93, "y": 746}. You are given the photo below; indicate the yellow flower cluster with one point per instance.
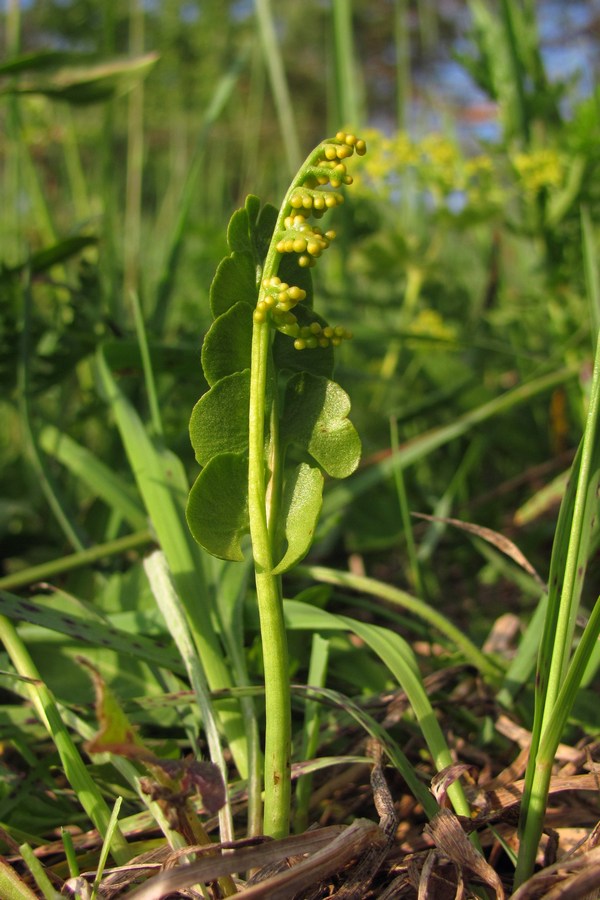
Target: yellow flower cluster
{"x": 436, "y": 163}
{"x": 429, "y": 323}
{"x": 539, "y": 169}
{"x": 315, "y": 193}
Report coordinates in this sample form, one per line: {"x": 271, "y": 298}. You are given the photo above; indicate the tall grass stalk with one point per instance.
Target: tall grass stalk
{"x": 559, "y": 673}
{"x": 135, "y": 159}
{"x": 284, "y": 105}
{"x": 403, "y": 71}
{"x": 348, "y": 110}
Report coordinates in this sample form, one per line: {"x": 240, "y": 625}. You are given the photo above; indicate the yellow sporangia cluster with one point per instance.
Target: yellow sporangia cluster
{"x": 312, "y": 196}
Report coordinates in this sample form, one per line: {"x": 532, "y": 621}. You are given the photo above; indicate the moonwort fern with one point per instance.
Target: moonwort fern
{"x": 273, "y": 422}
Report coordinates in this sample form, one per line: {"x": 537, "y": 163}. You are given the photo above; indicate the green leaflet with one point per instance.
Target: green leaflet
{"x": 227, "y": 345}
{"x": 251, "y": 227}
{"x": 217, "y": 510}
{"x": 219, "y": 421}
{"x": 302, "y": 501}
{"x": 234, "y": 281}
{"x": 315, "y": 419}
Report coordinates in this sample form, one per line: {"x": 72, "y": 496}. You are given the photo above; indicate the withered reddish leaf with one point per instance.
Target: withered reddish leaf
{"x": 196, "y": 777}
{"x": 116, "y": 734}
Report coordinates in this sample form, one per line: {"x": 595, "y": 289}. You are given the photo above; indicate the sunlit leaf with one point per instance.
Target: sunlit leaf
{"x": 219, "y": 420}
{"x": 315, "y": 419}
{"x": 234, "y": 281}
{"x": 83, "y": 84}
{"x": 217, "y": 510}
{"x": 228, "y": 343}
{"x": 302, "y": 498}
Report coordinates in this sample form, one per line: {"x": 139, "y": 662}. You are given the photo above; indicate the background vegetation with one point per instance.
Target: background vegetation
{"x": 466, "y": 266}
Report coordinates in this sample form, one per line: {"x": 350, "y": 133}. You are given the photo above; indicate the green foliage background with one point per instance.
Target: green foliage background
{"x": 467, "y": 271}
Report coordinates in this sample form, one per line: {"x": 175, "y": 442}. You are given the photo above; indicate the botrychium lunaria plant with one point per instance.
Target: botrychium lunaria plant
{"x": 273, "y": 422}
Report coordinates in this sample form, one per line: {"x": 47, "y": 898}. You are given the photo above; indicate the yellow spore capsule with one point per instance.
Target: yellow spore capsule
{"x": 299, "y": 245}
{"x": 296, "y": 294}
{"x": 360, "y": 147}
{"x": 300, "y": 344}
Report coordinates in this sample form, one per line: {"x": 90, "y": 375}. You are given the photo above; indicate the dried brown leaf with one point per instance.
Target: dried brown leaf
{"x": 497, "y": 540}
{"x": 449, "y": 837}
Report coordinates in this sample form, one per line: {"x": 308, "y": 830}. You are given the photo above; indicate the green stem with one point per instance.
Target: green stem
{"x": 270, "y": 607}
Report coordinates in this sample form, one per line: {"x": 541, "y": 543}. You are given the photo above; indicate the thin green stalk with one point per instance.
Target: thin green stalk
{"x": 79, "y": 778}
{"x": 270, "y": 604}
{"x": 413, "y": 559}
{"x": 135, "y": 159}
{"x": 52, "y": 568}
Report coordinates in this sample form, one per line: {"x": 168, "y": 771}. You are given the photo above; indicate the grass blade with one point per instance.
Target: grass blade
{"x": 281, "y": 94}
{"x": 577, "y": 524}
{"x": 43, "y": 701}
{"x": 417, "y": 607}
{"x": 104, "y": 481}
{"x": 163, "y": 486}
{"x": 170, "y": 606}
{"x": 400, "y": 660}
{"x": 317, "y": 676}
